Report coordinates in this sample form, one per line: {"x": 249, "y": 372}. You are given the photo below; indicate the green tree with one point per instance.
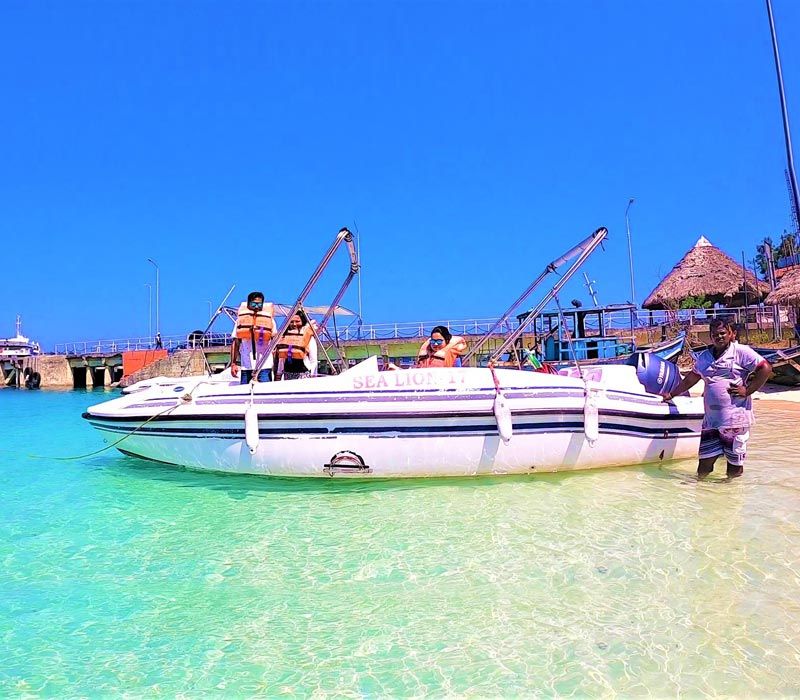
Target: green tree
{"x": 761, "y": 256}
{"x": 789, "y": 247}
{"x": 698, "y": 302}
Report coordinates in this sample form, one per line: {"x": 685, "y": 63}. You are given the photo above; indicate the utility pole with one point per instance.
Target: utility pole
{"x": 149, "y": 311}
{"x": 776, "y": 321}
{"x": 792, "y": 206}
{"x": 630, "y": 264}
{"x": 158, "y": 317}
{"x": 630, "y": 249}
{"x": 791, "y": 176}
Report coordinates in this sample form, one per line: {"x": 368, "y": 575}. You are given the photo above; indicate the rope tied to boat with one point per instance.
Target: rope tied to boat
{"x": 113, "y": 444}
{"x": 184, "y": 399}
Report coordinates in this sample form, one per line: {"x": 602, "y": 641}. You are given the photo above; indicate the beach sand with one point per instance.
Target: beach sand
{"x": 776, "y": 392}
{"x": 769, "y": 392}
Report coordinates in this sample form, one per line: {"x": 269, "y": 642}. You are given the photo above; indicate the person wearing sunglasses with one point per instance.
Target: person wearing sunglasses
{"x": 442, "y": 349}
{"x": 251, "y": 334}
{"x": 296, "y": 352}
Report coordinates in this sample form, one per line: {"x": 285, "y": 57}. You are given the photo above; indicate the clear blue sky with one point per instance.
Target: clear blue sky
{"x": 471, "y": 142}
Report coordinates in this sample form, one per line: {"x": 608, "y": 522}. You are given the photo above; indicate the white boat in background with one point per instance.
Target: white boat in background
{"x": 367, "y": 423}
{"x": 18, "y": 346}
{"x": 187, "y": 383}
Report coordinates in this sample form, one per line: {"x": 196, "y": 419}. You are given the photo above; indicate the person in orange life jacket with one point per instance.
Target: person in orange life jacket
{"x": 296, "y": 353}
{"x": 251, "y": 333}
{"x": 442, "y": 349}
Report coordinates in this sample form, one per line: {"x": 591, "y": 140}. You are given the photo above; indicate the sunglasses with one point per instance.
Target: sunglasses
{"x": 435, "y": 341}
{"x": 256, "y": 304}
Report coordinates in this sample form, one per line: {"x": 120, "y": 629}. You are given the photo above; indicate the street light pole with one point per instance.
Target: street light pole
{"x": 630, "y": 249}
{"x": 149, "y": 311}
{"x": 158, "y": 317}
{"x": 630, "y": 264}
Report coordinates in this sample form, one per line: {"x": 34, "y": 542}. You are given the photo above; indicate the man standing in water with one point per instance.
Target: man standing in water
{"x": 732, "y": 373}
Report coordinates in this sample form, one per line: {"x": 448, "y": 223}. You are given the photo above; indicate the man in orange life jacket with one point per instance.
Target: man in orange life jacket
{"x": 251, "y": 334}
{"x": 296, "y": 352}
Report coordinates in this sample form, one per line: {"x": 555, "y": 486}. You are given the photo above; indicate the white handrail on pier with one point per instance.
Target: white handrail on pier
{"x": 615, "y": 320}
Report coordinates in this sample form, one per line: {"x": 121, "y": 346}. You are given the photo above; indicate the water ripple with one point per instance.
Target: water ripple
{"x": 124, "y": 577}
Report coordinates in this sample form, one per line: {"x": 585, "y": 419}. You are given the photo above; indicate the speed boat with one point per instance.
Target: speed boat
{"x": 460, "y": 421}
{"x": 433, "y": 422}
{"x": 785, "y": 364}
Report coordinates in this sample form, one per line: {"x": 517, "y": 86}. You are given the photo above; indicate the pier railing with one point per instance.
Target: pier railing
{"x": 115, "y": 345}
{"x": 614, "y": 320}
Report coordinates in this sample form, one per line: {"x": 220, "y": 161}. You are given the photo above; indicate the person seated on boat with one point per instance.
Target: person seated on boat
{"x": 251, "y": 333}
{"x": 442, "y": 349}
{"x": 296, "y": 352}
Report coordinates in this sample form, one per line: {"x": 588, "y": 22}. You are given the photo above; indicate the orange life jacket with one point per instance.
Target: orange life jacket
{"x": 294, "y": 344}
{"x": 445, "y": 356}
{"x": 257, "y": 324}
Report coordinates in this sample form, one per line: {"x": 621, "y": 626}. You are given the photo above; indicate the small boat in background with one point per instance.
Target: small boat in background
{"x": 18, "y": 346}
{"x": 593, "y": 335}
{"x": 785, "y": 364}
{"x": 14, "y": 353}
{"x": 668, "y": 350}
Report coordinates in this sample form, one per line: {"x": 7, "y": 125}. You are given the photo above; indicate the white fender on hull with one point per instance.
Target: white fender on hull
{"x": 591, "y": 417}
{"x": 251, "y": 428}
{"x": 502, "y": 414}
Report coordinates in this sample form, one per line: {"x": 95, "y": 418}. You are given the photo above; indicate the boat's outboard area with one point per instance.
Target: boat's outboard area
{"x": 656, "y": 375}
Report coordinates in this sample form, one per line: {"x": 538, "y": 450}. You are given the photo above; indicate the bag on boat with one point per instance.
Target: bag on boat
{"x": 656, "y": 375}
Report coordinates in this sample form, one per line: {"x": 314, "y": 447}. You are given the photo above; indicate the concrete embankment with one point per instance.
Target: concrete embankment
{"x": 54, "y": 371}
{"x": 178, "y": 364}
{"x": 63, "y": 372}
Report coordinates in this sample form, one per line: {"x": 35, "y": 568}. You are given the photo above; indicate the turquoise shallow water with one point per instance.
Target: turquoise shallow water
{"x": 119, "y": 575}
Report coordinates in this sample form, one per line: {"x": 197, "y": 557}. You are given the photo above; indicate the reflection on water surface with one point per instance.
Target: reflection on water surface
{"x": 122, "y": 575}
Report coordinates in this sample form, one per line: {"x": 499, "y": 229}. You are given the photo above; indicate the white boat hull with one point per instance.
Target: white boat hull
{"x": 414, "y": 423}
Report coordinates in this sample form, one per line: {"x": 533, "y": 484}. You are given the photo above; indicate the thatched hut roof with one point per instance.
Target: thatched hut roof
{"x": 788, "y": 289}
{"x": 705, "y": 271}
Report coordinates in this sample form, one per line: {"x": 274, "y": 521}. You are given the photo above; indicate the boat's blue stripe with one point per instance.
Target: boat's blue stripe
{"x": 443, "y": 430}
{"x": 410, "y": 415}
